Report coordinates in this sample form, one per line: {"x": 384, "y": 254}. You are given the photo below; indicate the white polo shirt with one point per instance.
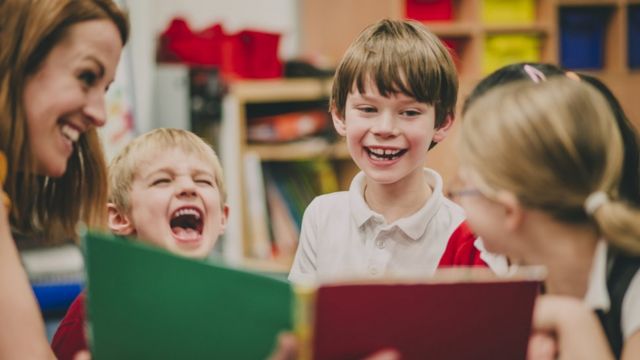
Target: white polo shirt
{"x": 342, "y": 237}
{"x": 597, "y": 296}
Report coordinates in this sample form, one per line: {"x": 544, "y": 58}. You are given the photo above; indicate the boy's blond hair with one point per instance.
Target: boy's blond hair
{"x": 122, "y": 169}
{"x": 398, "y": 56}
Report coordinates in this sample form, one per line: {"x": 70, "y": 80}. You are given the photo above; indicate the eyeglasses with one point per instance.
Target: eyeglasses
{"x": 458, "y": 188}
{"x": 464, "y": 192}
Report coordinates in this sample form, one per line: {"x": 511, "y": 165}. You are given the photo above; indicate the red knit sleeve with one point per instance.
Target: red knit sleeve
{"x": 460, "y": 250}
{"x": 70, "y": 338}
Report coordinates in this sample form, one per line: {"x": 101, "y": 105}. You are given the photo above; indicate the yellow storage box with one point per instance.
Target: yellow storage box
{"x": 504, "y": 49}
{"x": 512, "y": 12}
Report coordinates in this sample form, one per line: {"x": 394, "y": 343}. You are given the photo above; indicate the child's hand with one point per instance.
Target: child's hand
{"x": 566, "y": 328}
{"x": 82, "y": 355}
{"x": 287, "y": 349}
{"x": 542, "y": 346}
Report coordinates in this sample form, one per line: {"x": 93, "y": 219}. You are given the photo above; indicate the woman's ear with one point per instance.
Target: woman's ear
{"x": 338, "y": 122}
{"x": 513, "y": 210}
{"x": 119, "y": 223}
{"x": 443, "y": 130}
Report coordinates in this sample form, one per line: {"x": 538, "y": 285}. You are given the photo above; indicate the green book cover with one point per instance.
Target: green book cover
{"x": 146, "y": 303}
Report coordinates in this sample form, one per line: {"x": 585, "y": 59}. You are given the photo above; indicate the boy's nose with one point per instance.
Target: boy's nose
{"x": 186, "y": 188}
{"x": 386, "y": 125}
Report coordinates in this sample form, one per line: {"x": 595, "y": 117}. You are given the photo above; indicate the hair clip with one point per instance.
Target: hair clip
{"x": 535, "y": 74}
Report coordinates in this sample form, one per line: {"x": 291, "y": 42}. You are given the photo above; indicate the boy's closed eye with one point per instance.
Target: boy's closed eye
{"x": 204, "y": 181}
{"x": 160, "y": 181}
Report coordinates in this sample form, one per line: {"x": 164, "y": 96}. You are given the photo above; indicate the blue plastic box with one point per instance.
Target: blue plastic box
{"x": 634, "y": 36}
{"x": 582, "y": 36}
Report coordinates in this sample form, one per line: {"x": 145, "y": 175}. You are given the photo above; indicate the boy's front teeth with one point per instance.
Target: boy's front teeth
{"x": 70, "y": 133}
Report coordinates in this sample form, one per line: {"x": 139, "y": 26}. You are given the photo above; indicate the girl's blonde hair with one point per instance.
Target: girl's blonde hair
{"x": 43, "y": 206}
{"x": 123, "y": 167}
{"x": 551, "y": 144}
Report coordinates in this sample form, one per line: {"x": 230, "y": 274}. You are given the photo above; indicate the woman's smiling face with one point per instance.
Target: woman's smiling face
{"x": 65, "y": 96}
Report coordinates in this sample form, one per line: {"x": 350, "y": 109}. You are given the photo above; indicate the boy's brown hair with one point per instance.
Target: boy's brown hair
{"x": 122, "y": 169}
{"x": 398, "y": 56}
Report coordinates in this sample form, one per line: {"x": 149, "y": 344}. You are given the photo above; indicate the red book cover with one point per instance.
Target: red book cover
{"x": 450, "y": 319}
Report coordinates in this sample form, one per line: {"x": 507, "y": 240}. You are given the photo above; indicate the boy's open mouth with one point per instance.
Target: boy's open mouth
{"x": 186, "y": 223}
{"x": 384, "y": 154}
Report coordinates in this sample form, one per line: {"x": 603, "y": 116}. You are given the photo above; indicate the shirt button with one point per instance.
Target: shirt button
{"x": 373, "y": 271}
{"x": 380, "y": 244}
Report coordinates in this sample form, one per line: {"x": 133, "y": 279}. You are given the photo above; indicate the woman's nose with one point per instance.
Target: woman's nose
{"x": 95, "y": 109}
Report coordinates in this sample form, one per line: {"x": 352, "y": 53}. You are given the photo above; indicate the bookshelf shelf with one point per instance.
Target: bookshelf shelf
{"x": 306, "y": 149}
{"x": 455, "y": 30}
{"x": 536, "y": 29}
{"x": 266, "y": 91}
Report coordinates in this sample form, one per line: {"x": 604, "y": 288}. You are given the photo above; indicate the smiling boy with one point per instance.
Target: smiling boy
{"x": 393, "y": 98}
{"x": 166, "y": 189}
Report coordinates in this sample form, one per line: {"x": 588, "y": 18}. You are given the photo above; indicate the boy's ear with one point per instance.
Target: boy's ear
{"x": 443, "y": 130}
{"x": 119, "y": 223}
{"x": 224, "y": 218}
{"x": 338, "y": 122}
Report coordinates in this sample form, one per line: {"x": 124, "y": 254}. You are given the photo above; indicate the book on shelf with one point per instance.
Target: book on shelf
{"x": 144, "y": 302}
{"x": 261, "y": 247}
{"x": 290, "y": 187}
{"x": 287, "y": 126}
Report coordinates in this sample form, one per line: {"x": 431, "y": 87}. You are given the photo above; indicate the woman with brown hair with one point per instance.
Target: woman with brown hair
{"x": 57, "y": 60}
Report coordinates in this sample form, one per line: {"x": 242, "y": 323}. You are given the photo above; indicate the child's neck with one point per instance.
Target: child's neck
{"x": 567, "y": 251}
{"x": 398, "y": 200}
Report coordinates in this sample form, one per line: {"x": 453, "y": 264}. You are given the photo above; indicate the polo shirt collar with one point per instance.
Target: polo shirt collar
{"x": 597, "y": 296}
{"x": 413, "y": 226}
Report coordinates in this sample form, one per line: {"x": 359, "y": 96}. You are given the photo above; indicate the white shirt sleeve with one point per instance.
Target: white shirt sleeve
{"x": 304, "y": 268}
{"x": 630, "y": 319}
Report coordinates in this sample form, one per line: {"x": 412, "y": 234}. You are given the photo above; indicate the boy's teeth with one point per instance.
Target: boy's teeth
{"x": 187, "y": 212}
{"x": 384, "y": 154}
{"x": 70, "y": 132}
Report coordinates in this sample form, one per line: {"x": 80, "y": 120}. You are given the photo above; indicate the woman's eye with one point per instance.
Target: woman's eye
{"x": 88, "y": 78}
